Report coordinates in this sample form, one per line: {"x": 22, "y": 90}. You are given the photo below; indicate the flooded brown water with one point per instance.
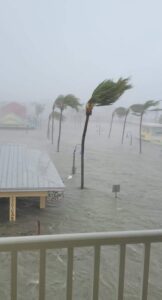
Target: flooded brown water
{"x": 138, "y": 206}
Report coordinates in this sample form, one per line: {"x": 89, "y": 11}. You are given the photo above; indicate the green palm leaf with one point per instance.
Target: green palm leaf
{"x": 108, "y": 91}
{"x": 62, "y": 102}
{"x": 141, "y": 108}
{"x": 59, "y": 101}
{"x": 71, "y": 101}
{"x": 120, "y": 111}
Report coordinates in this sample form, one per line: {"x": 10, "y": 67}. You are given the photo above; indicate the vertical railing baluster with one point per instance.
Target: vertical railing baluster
{"x": 42, "y": 274}
{"x": 69, "y": 285}
{"x": 96, "y": 272}
{"x": 14, "y": 275}
{"x": 121, "y": 272}
{"x": 146, "y": 271}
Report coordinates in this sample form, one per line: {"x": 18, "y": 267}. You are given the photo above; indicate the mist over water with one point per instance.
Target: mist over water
{"x": 51, "y": 48}
{"x": 95, "y": 208}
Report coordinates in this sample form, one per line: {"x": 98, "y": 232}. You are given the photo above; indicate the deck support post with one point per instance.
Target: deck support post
{"x": 42, "y": 201}
{"x": 12, "y": 208}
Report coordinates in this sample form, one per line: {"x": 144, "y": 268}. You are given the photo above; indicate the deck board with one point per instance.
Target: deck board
{"x": 23, "y": 169}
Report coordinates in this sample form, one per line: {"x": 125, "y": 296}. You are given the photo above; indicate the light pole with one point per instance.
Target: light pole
{"x": 73, "y": 166}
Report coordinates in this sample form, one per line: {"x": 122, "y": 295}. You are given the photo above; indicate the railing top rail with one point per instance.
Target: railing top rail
{"x": 80, "y": 240}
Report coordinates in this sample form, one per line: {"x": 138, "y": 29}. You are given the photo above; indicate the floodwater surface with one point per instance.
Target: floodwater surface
{"x": 138, "y": 206}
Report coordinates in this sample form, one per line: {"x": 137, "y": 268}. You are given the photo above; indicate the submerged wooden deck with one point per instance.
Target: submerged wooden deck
{"x": 26, "y": 173}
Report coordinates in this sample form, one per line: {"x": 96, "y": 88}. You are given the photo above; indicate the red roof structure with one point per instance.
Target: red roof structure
{"x": 14, "y": 107}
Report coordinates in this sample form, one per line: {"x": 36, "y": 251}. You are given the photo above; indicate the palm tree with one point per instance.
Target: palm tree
{"x": 140, "y": 110}
{"x": 111, "y": 123}
{"x": 106, "y": 93}
{"x": 48, "y": 126}
{"x": 124, "y": 124}
{"x": 53, "y": 115}
{"x": 52, "y": 131}
{"x": 120, "y": 112}
{"x": 62, "y": 102}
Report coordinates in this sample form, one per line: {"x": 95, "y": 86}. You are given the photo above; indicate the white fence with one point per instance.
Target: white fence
{"x": 72, "y": 241}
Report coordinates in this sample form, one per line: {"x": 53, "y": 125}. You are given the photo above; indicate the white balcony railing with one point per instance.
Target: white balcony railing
{"x": 14, "y": 245}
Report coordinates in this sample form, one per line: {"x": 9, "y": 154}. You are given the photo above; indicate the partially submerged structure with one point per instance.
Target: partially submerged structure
{"x": 26, "y": 173}
{"x": 152, "y": 132}
{"x": 14, "y": 116}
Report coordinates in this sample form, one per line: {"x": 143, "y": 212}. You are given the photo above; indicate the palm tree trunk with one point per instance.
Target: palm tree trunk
{"x": 59, "y": 135}
{"x": 52, "y": 125}
{"x": 113, "y": 114}
{"x": 125, "y": 120}
{"x": 82, "y": 150}
{"x": 140, "y": 134}
{"x": 48, "y": 128}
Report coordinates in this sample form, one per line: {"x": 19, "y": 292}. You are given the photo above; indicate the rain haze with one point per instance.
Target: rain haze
{"x": 58, "y": 47}
{"x": 80, "y": 149}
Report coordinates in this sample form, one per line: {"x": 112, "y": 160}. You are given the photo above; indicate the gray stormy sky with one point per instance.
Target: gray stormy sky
{"x": 51, "y": 47}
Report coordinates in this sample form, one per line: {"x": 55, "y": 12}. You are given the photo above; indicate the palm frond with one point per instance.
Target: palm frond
{"x": 59, "y": 101}
{"x": 56, "y": 115}
{"x": 62, "y": 102}
{"x": 108, "y": 91}
{"x": 72, "y": 101}
{"x": 137, "y": 109}
{"x": 155, "y": 109}
{"x": 150, "y": 103}
{"x": 141, "y": 108}
{"x": 120, "y": 111}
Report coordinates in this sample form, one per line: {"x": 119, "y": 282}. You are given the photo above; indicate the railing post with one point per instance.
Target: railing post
{"x": 42, "y": 274}
{"x": 121, "y": 272}
{"x": 69, "y": 285}
{"x": 96, "y": 272}
{"x": 14, "y": 275}
{"x": 146, "y": 271}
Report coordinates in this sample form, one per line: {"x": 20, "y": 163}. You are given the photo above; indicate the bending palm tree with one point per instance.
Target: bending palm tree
{"x": 48, "y": 126}
{"x": 106, "y": 93}
{"x": 53, "y": 115}
{"x": 120, "y": 112}
{"x": 124, "y": 124}
{"x": 62, "y": 102}
{"x": 139, "y": 110}
{"x": 112, "y": 118}
{"x": 52, "y": 131}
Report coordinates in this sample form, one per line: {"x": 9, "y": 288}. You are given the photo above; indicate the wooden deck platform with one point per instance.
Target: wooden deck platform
{"x": 26, "y": 173}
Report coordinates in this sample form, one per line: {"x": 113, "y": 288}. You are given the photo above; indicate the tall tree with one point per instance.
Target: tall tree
{"x": 105, "y": 94}
{"x": 124, "y": 124}
{"x": 120, "y": 112}
{"x": 48, "y": 125}
{"x": 140, "y": 110}
{"x": 52, "y": 131}
{"x": 53, "y": 115}
{"x": 62, "y": 102}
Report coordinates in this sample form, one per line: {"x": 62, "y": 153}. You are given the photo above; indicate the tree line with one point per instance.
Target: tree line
{"x": 105, "y": 94}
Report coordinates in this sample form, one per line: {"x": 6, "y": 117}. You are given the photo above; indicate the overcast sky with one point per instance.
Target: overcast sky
{"x": 51, "y": 47}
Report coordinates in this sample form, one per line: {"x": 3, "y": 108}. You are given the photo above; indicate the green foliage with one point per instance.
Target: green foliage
{"x": 62, "y": 102}
{"x": 120, "y": 111}
{"x": 71, "y": 101}
{"x": 56, "y": 115}
{"x": 108, "y": 91}
{"x": 59, "y": 101}
{"x": 139, "y": 109}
